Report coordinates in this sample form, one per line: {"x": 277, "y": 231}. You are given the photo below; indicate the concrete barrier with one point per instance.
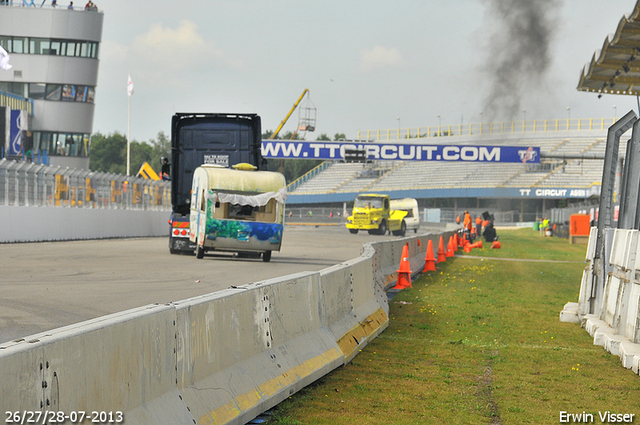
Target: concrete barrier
{"x": 612, "y": 315}
{"x": 35, "y": 224}
{"x": 221, "y": 358}
{"x": 244, "y": 350}
{"x": 117, "y": 363}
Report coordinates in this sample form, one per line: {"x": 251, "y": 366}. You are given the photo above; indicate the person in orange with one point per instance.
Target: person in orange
{"x": 467, "y": 221}
{"x": 478, "y": 226}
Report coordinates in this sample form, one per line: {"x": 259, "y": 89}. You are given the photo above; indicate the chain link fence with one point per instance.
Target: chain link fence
{"x": 29, "y": 184}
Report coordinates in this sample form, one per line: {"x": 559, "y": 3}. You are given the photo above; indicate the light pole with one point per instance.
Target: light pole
{"x": 439, "y": 126}
{"x": 615, "y": 112}
{"x": 398, "y": 118}
{"x": 524, "y": 119}
{"x": 481, "y": 122}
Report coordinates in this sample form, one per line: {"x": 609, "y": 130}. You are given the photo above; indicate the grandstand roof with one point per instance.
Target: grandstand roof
{"x": 616, "y": 69}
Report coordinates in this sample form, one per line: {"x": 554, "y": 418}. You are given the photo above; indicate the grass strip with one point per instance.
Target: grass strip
{"x": 478, "y": 341}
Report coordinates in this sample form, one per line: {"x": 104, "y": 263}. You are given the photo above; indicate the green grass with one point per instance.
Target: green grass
{"x": 478, "y": 341}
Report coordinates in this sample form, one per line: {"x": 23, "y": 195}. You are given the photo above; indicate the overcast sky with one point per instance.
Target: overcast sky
{"x": 368, "y": 64}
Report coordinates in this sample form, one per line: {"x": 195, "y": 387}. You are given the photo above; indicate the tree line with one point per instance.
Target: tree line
{"x": 109, "y": 154}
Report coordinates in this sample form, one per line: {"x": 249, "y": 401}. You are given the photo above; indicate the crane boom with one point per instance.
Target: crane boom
{"x": 284, "y": 121}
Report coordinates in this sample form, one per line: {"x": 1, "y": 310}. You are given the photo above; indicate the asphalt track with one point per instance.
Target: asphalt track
{"x": 47, "y": 285}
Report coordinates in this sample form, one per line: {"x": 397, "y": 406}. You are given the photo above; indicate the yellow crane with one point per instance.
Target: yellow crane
{"x": 306, "y": 124}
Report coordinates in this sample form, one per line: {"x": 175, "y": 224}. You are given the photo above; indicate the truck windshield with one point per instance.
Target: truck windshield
{"x": 368, "y": 202}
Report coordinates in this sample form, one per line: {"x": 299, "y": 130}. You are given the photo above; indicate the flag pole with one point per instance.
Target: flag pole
{"x": 128, "y": 134}
{"x": 129, "y": 93}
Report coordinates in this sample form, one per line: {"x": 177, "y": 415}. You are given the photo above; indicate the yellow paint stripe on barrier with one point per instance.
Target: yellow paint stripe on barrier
{"x": 349, "y": 342}
{"x": 222, "y": 414}
{"x": 243, "y": 402}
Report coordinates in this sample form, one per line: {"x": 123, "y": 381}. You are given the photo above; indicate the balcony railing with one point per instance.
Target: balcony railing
{"x": 488, "y": 128}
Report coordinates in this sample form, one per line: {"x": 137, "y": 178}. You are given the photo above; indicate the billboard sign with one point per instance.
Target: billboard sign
{"x": 17, "y": 126}
{"x": 296, "y": 149}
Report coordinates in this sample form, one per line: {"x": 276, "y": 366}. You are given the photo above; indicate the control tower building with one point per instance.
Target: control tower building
{"x": 54, "y": 53}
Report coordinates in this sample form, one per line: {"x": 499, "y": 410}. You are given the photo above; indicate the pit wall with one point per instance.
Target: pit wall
{"x": 221, "y": 358}
{"x": 615, "y": 322}
{"x": 36, "y": 224}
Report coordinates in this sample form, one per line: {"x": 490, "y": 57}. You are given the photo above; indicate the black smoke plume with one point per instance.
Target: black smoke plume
{"x": 519, "y": 53}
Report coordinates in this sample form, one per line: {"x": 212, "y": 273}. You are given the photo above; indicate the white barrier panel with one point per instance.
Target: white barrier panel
{"x": 615, "y": 324}
{"x": 616, "y": 290}
{"x": 35, "y": 224}
{"x": 244, "y": 350}
{"x": 116, "y": 366}
{"x": 352, "y": 314}
{"x": 587, "y": 278}
{"x": 222, "y": 358}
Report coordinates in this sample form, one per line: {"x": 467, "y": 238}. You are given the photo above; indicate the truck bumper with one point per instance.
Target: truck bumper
{"x": 362, "y": 226}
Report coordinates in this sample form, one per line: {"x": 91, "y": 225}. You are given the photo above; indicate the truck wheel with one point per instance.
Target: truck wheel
{"x": 382, "y": 230}
{"x": 199, "y": 252}
{"x": 353, "y": 231}
{"x": 402, "y": 231}
{"x": 266, "y": 256}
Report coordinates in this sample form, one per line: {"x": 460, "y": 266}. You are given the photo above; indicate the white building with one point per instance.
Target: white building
{"x": 54, "y": 57}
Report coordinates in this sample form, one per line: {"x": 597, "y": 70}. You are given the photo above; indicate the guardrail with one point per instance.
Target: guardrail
{"x": 32, "y": 3}
{"x": 307, "y": 176}
{"x": 476, "y": 129}
{"x": 19, "y": 103}
{"x": 29, "y": 184}
{"x": 339, "y": 214}
{"x": 615, "y": 321}
{"x": 221, "y": 358}
{"x": 609, "y": 303}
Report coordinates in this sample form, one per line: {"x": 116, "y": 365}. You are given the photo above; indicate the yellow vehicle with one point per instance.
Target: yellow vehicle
{"x": 372, "y": 212}
{"x": 239, "y": 210}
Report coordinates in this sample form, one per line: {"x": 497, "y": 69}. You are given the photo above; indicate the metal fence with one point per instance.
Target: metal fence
{"x": 30, "y": 184}
{"x": 427, "y": 215}
{"x": 488, "y": 128}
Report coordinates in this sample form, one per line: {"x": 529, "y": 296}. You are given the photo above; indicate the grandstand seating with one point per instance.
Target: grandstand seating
{"x": 399, "y": 175}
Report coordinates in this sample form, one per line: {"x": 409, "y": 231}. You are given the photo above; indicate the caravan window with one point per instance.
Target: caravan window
{"x": 245, "y": 212}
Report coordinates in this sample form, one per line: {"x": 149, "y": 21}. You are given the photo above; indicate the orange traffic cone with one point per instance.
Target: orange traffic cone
{"x": 429, "y": 260}
{"x": 455, "y": 243}
{"x": 469, "y": 246}
{"x": 404, "y": 272}
{"x": 450, "y": 247}
{"x": 441, "y": 252}
{"x": 464, "y": 240}
{"x": 495, "y": 245}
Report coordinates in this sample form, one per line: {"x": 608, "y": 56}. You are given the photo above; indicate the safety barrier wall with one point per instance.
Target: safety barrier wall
{"x": 35, "y": 224}
{"x": 221, "y": 358}
{"x": 615, "y": 321}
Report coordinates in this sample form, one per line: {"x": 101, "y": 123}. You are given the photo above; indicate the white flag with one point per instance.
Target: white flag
{"x": 130, "y": 86}
{"x": 4, "y": 60}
